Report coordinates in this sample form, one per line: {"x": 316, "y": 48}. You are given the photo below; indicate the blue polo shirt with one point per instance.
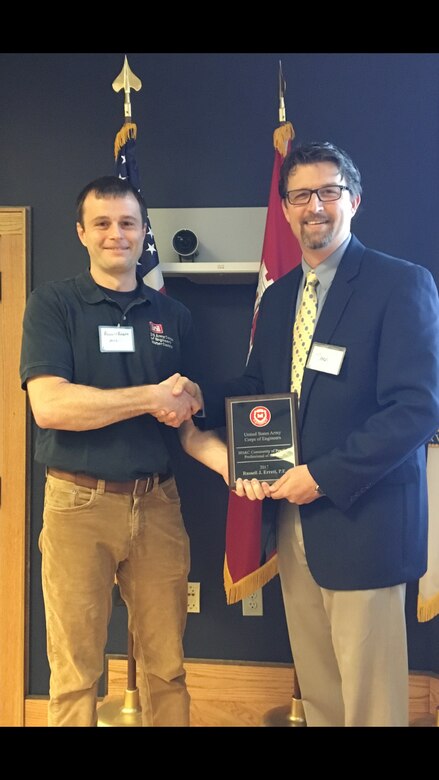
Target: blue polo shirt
{"x": 61, "y": 338}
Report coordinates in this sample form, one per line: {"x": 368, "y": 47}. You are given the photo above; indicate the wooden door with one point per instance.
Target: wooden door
{"x": 14, "y": 253}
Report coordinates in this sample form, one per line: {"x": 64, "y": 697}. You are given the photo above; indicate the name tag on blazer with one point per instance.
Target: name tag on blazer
{"x": 326, "y": 357}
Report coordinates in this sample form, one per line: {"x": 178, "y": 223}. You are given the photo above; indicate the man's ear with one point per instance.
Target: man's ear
{"x": 81, "y": 233}
{"x": 355, "y": 202}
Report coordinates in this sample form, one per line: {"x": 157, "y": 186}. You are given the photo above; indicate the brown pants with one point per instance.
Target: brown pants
{"x": 89, "y": 537}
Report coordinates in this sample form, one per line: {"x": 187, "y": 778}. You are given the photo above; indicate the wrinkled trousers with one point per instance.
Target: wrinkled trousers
{"x": 89, "y": 538}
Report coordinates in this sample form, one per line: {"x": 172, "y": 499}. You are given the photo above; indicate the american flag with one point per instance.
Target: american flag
{"x": 126, "y": 168}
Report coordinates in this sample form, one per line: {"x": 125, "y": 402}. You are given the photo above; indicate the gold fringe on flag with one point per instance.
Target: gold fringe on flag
{"x": 127, "y": 131}
{"x": 428, "y": 609}
{"x": 235, "y": 591}
{"x": 428, "y": 593}
{"x": 281, "y": 136}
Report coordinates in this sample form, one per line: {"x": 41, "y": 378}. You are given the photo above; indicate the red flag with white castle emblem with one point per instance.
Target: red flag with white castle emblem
{"x": 247, "y": 565}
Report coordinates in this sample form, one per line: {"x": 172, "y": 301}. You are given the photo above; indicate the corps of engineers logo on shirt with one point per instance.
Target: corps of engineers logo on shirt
{"x": 158, "y": 337}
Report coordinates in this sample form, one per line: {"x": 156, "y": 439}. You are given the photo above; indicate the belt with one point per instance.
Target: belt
{"x": 136, "y": 487}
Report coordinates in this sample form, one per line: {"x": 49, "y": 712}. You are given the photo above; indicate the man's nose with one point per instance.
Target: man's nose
{"x": 315, "y": 203}
{"x": 115, "y": 230}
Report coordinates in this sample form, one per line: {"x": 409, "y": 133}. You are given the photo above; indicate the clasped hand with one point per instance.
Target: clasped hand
{"x": 297, "y": 485}
{"x": 178, "y": 398}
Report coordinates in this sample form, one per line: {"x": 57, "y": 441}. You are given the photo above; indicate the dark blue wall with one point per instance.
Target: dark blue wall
{"x": 205, "y": 125}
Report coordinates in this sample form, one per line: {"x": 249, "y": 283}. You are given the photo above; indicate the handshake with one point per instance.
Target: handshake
{"x": 176, "y": 400}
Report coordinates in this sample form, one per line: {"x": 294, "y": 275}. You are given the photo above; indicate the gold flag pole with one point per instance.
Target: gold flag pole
{"x": 293, "y": 714}
{"x": 124, "y": 710}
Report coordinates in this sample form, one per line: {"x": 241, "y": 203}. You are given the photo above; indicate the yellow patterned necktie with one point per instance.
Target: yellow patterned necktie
{"x": 303, "y": 331}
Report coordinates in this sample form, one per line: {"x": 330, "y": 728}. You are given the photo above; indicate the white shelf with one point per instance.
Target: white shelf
{"x": 214, "y": 273}
{"x": 224, "y": 234}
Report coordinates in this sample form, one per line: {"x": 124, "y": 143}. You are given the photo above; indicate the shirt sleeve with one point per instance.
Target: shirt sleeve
{"x": 407, "y": 395}
{"x": 46, "y": 347}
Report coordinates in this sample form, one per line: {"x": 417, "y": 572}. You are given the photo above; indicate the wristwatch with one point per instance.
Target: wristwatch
{"x": 319, "y": 491}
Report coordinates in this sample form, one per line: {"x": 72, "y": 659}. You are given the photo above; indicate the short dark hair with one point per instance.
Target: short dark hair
{"x": 314, "y": 152}
{"x": 108, "y": 187}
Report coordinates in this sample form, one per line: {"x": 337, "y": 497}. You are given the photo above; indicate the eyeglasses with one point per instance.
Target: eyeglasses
{"x": 324, "y": 194}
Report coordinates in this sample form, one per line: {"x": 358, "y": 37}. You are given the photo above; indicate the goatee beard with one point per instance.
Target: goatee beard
{"x": 316, "y": 243}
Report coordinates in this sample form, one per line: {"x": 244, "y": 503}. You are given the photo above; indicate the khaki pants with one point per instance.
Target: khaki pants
{"x": 88, "y": 538}
{"x": 349, "y": 647}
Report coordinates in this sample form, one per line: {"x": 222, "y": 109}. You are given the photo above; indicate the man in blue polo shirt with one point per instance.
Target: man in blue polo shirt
{"x": 100, "y": 356}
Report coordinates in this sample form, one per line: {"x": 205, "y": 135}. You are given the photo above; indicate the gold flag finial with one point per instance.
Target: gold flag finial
{"x": 126, "y": 80}
{"x": 285, "y": 132}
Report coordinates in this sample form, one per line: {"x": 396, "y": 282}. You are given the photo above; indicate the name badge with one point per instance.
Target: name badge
{"x": 326, "y": 358}
{"x": 116, "y": 339}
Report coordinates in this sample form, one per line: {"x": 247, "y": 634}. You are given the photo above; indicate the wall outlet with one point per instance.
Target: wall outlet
{"x": 193, "y": 597}
{"x": 252, "y": 605}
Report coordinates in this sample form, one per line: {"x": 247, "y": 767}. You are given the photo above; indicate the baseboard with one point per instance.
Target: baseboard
{"x": 225, "y": 693}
